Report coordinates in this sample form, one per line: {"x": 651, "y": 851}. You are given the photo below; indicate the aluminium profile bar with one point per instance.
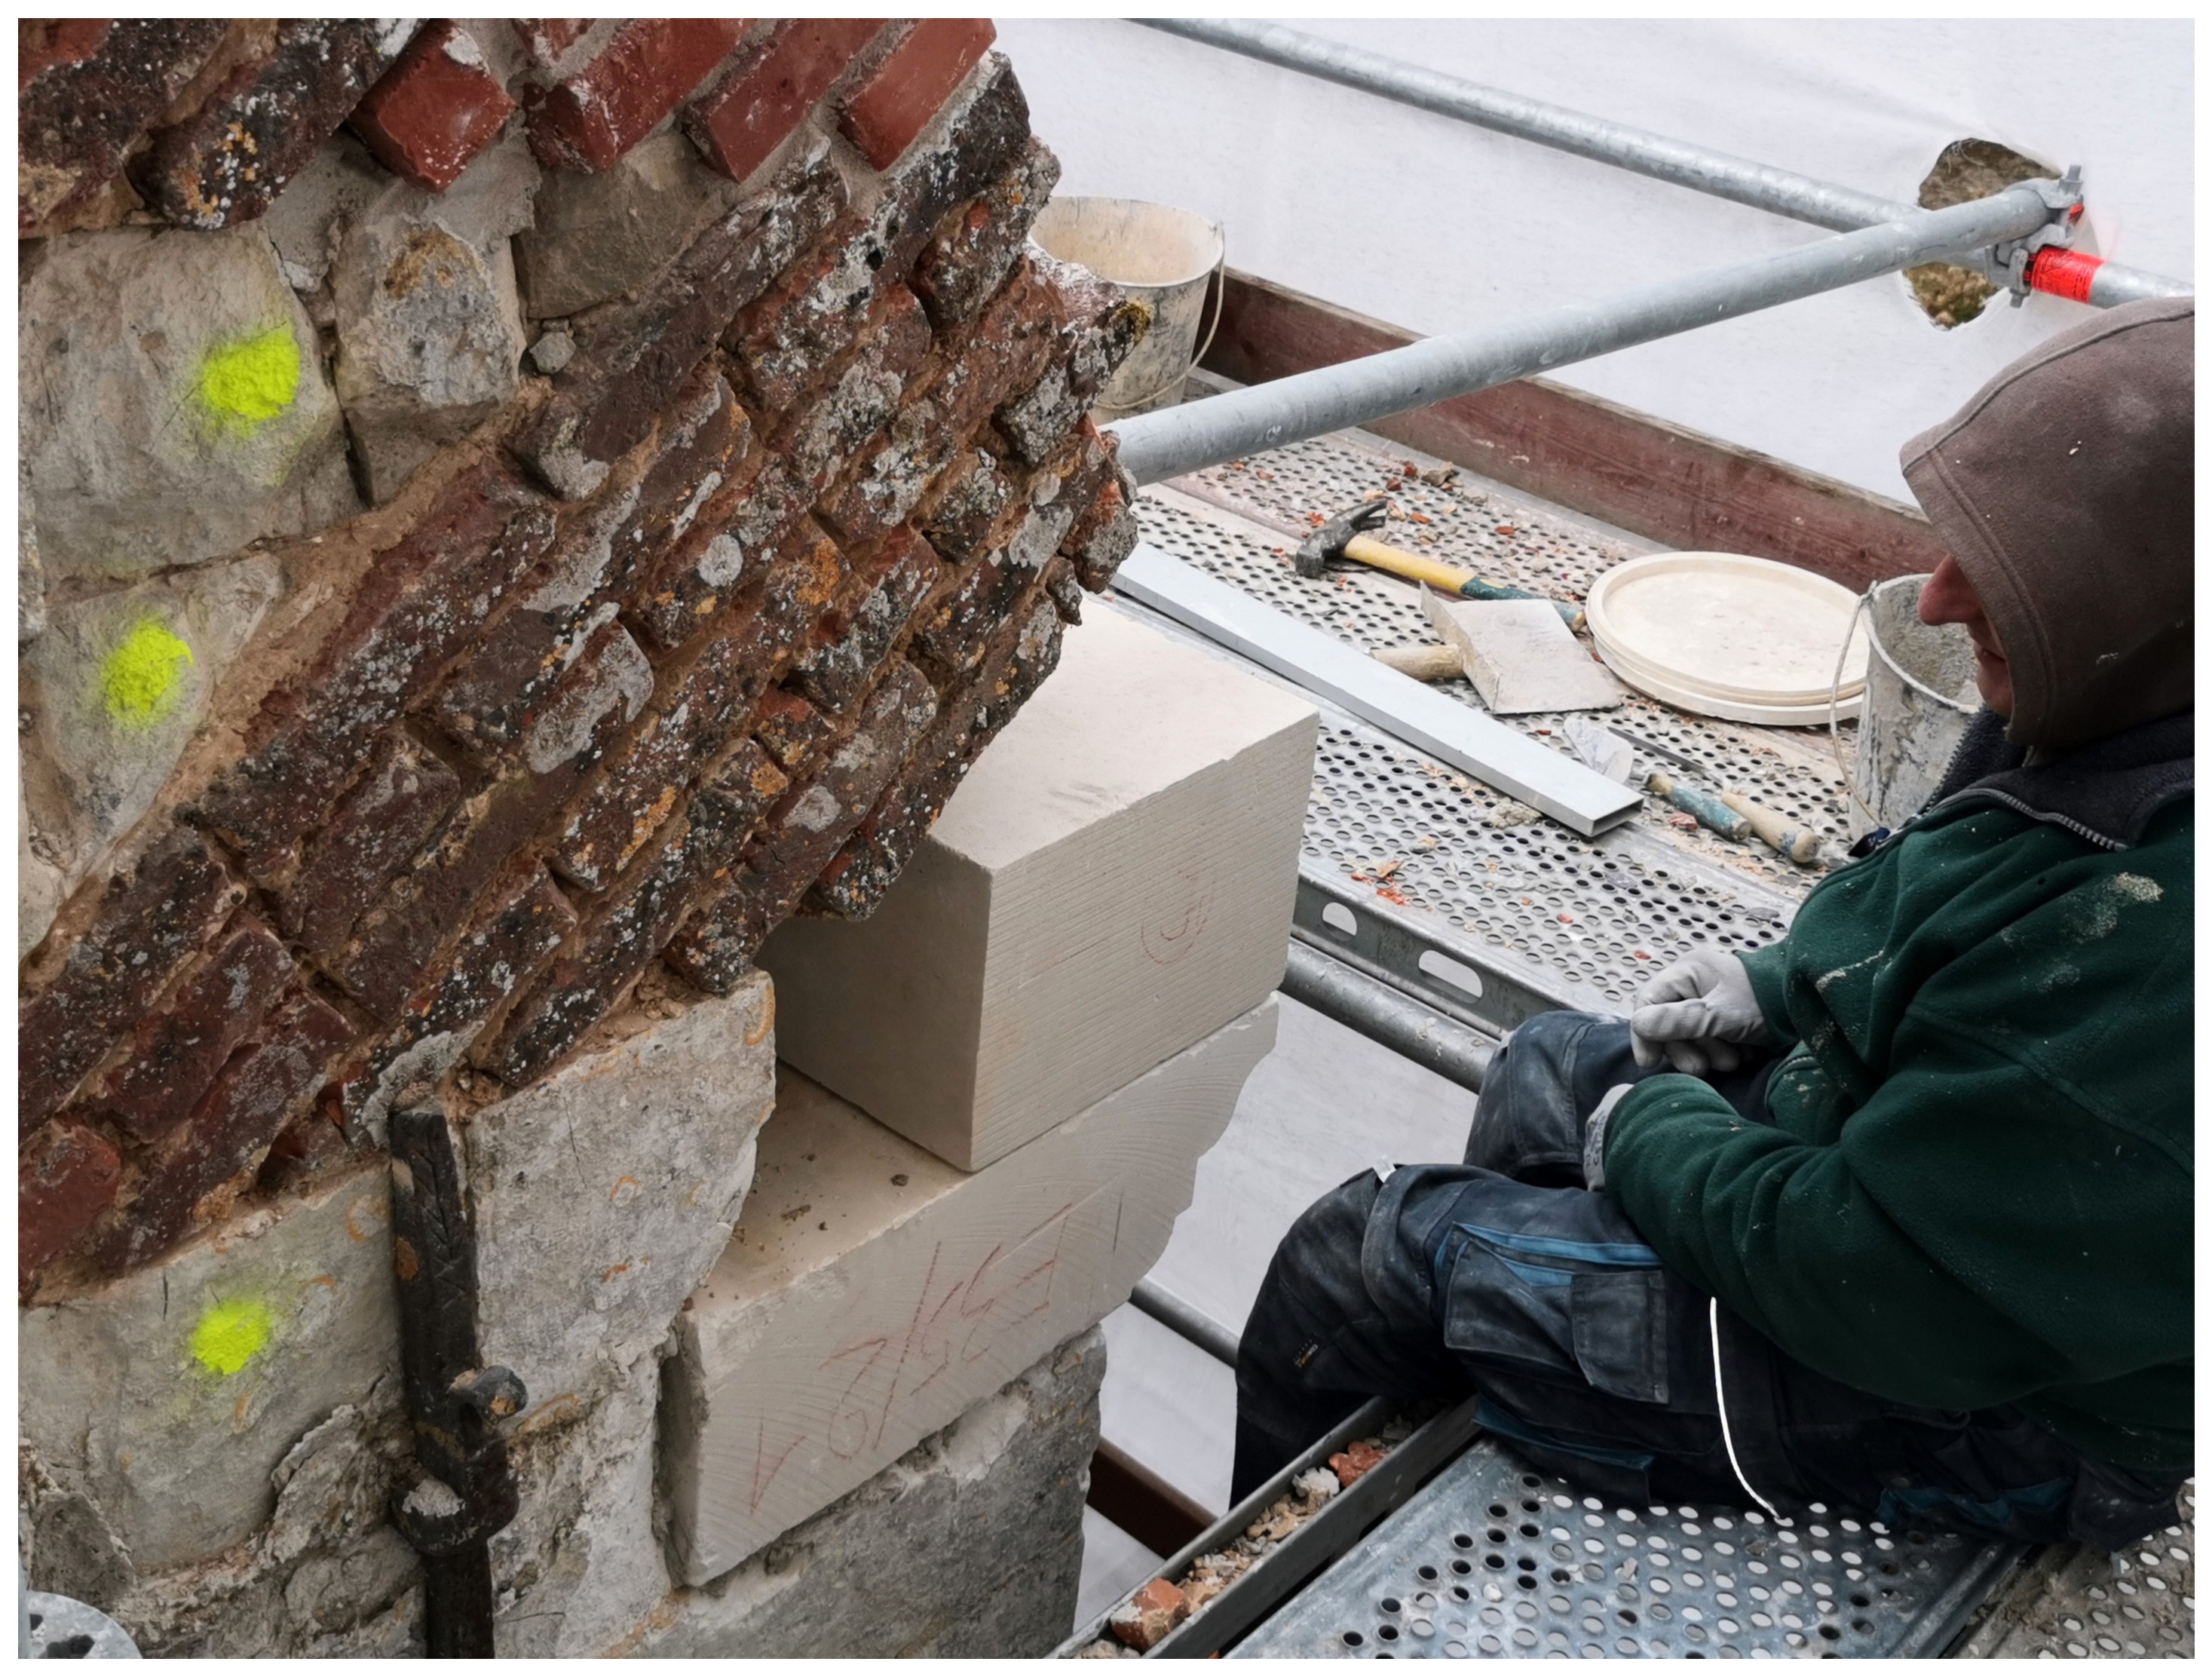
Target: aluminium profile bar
{"x": 1172, "y": 442}
{"x": 1700, "y": 168}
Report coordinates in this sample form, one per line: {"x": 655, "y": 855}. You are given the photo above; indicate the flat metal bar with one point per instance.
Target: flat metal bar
{"x": 1180, "y": 1317}
{"x": 1678, "y": 162}
{"x": 1142, "y": 1503}
{"x": 1384, "y": 1014}
{"x": 1172, "y": 441}
{"x": 1466, "y": 738}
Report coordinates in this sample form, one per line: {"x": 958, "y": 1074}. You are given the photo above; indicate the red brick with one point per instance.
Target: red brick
{"x": 388, "y": 816}
{"x": 64, "y": 1179}
{"x": 906, "y": 570}
{"x": 526, "y": 920}
{"x": 301, "y": 1148}
{"x": 42, "y": 43}
{"x": 787, "y": 340}
{"x": 177, "y": 899}
{"x": 1102, "y": 538}
{"x": 954, "y": 628}
{"x": 426, "y": 600}
{"x": 969, "y": 498}
{"x": 75, "y": 117}
{"x": 895, "y": 99}
{"x": 974, "y": 246}
{"x": 597, "y": 114}
{"x": 547, "y": 39}
{"x": 606, "y": 399}
{"x": 804, "y": 831}
{"x": 983, "y": 133}
{"x": 427, "y": 907}
{"x": 794, "y": 732}
{"x": 768, "y": 92}
{"x": 173, "y": 1056}
{"x": 262, "y": 1088}
{"x": 436, "y": 108}
{"x": 226, "y": 163}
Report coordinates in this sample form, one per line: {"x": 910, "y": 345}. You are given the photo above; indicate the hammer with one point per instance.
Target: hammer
{"x": 1344, "y": 540}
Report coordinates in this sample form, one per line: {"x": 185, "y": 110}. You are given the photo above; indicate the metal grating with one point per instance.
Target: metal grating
{"x": 2075, "y": 1604}
{"x": 1494, "y": 1560}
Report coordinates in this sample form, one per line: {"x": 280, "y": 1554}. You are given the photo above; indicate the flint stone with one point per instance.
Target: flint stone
{"x": 117, "y": 686}
{"x": 174, "y": 403}
{"x": 970, "y": 1544}
{"x": 172, "y": 1394}
{"x": 602, "y": 1195}
{"x": 602, "y": 236}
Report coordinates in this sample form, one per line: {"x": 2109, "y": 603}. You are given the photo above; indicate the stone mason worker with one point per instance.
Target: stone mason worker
{"x": 1893, "y": 1215}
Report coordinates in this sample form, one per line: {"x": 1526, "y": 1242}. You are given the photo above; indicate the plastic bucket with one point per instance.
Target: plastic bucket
{"x": 1160, "y": 256}
{"x": 1919, "y": 696}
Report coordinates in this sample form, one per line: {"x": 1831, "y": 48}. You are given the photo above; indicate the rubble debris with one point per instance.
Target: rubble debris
{"x": 1145, "y": 1618}
{"x": 1357, "y": 1460}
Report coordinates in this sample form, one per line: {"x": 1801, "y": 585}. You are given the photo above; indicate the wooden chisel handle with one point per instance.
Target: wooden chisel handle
{"x": 1450, "y": 577}
{"x": 1711, "y": 813}
{"x": 1777, "y": 833}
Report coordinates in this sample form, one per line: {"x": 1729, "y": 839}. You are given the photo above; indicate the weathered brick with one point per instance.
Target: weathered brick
{"x": 226, "y": 163}
{"x": 424, "y": 602}
{"x": 804, "y": 831}
{"x": 548, "y": 39}
{"x": 794, "y": 732}
{"x": 980, "y": 134}
{"x": 592, "y": 117}
{"x": 693, "y": 854}
{"x": 76, "y": 116}
{"x": 1025, "y": 651}
{"x": 438, "y": 106}
{"x": 184, "y": 1175}
{"x": 42, "y": 43}
{"x": 707, "y": 435}
{"x": 526, "y": 919}
{"x": 301, "y": 1148}
{"x": 768, "y": 91}
{"x": 834, "y": 675}
{"x": 428, "y": 906}
{"x": 177, "y": 899}
{"x": 787, "y": 340}
{"x": 173, "y": 1056}
{"x": 605, "y": 400}
{"x": 969, "y": 498}
{"x": 955, "y": 629}
{"x": 1103, "y": 538}
{"x": 64, "y": 1179}
{"x": 974, "y": 246}
{"x": 1098, "y": 327}
{"x": 382, "y": 822}
{"x": 894, "y": 99}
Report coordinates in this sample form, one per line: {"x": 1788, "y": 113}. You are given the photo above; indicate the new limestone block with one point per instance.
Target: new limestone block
{"x": 1126, "y": 851}
{"x": 1521, "y": 656}
{"x": 873, "y": 1293}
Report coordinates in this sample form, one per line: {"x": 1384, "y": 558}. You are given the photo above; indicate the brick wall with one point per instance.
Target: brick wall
{"x": 647, "y": 471}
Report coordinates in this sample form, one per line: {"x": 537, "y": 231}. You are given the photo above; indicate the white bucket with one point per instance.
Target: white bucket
{"x": 1162, "y": 258}
{"x": 1919, "y": 697}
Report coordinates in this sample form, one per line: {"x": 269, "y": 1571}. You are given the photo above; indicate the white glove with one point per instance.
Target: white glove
{"x": 1693, "y": 1014}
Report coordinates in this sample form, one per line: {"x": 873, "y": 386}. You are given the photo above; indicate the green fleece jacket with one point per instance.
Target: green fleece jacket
{"x": 1977, "y": 1189}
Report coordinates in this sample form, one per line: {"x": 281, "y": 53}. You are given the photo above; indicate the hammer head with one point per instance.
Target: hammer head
{"x": 1325, "y": 547}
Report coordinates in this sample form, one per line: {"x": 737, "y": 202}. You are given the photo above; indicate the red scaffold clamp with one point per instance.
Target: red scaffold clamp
{"x": 2063, "y": 272}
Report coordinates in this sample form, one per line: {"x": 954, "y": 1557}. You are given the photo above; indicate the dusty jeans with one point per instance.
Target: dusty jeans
{"x": 1504, "y": 1276}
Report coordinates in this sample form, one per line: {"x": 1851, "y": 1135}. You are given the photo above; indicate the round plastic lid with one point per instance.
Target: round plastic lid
{"x": 1727, "y": 634}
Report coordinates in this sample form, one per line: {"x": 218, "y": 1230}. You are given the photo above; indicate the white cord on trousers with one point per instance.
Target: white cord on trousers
{"x": 1720, "y": 1397}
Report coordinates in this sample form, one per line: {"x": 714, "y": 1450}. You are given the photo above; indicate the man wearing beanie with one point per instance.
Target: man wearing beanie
{"x": 1894, "y": 1215}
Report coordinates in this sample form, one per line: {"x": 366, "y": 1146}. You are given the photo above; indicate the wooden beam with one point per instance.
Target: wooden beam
{"x": 1661, "y": 481}
{"x": 1142, "y": 1503}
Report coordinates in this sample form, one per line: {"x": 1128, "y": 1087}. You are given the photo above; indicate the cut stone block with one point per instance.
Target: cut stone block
{"x": 1521, "y": 655}
{"x": 1125, "y": 852}
{"x": 174, "y": 406}
{"x": 172, "y": 1394}
{"x": 872, "y": 1293}
{"x": 969, "y": 1545}
{"x": 602, "y": 236}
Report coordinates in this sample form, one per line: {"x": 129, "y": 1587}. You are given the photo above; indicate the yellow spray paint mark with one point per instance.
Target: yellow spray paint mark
{"x": 232, "y": 1334}
{"x": 247, "y": 383}
{"x": 141, "y": 678}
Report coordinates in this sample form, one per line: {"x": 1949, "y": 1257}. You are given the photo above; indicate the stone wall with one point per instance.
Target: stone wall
{"x": 511, "y": 511}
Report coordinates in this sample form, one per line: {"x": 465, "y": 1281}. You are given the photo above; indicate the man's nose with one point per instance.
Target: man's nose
{"x": 1946, "y": 596}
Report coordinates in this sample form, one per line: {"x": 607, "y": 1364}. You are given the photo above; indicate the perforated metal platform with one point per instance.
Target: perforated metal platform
{"x": 1492, "y": 1559}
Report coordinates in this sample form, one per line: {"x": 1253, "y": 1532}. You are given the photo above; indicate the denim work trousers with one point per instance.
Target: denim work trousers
{"x": 1505, "y": 1276}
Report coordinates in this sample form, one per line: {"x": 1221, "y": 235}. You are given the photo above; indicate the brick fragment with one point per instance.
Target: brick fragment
{"x": 971, "y": 497}
{"x": 425, "y": 601}
{"x": 794, "y": 732}
{"x": 771, "y": 87}
{"x": 595, "y": 115}
{"x": 388, "y": 816}
{"x": 258, "y": 1091}
{"x": 606, "y": 399}
{"x": 173, "y": 1056}
{"x": 1103, "y": 538}
{"x": 974, "y": 246}
{"x": 177, "y": 899}
{"x": 438, "y": 106}
{"x": 547, "y": 39}
{"x": 77, "y": 113}
{"x": 1098, "y": 327}
{"x": 526, "y": 919}
{"x": 893, "y": 101}
{"x": 1145, "y": 1618}
{"x": 981, "y": 133}
{"x": 64, "y": 1179}
{"x": 226, "y": 163}
{"x": 693, "y": 854}
{"x": 427, "y": 907}
{"x": 954, "y": 630}
{"x": 804, "y": 831}
{"x": 834, "y": 675}
{"x": 301, "y": 1148}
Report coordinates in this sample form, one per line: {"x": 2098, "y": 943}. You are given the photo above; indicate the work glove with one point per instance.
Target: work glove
{"x": 1695, "y": 1015}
